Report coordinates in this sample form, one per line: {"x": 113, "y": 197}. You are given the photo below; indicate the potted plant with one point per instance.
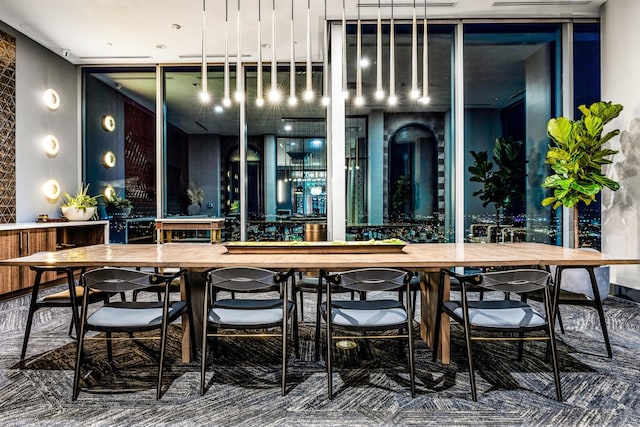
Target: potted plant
{"x": 502, "y": 186}
{"x": 196, "y": 197}
{"x": 117, "y": 206}
{"x": 80, "y": 207}
{"x": 576, "y": 157}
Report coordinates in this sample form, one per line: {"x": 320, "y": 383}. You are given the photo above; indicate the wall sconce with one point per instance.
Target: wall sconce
{"x": 108, "y": 123}
{"x": 51, "y": 189}
{"x": 51, "y": 99}
{"x": 109, "y": 192}
{"x": 50, "y": 145}
{"x": 109, "y": 159}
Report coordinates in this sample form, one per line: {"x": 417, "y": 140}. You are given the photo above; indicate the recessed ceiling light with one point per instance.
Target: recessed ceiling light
{"x": 160, "y": 46}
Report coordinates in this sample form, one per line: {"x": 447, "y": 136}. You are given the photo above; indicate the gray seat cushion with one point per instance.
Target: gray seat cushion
{"x": 120, "y": 317}
{"x": 374, "y": 313}
{"x": 499, "y": 314}
{"x": 246, "y": 312}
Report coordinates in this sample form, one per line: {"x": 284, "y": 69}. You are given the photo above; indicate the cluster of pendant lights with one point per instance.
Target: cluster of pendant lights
{"x": 274, "y": 95}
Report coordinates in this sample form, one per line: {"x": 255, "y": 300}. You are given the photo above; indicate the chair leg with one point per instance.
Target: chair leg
{"x": 329, "y": 359}
{"x": 203, "y": 356}
{"x": 301, "y": 294}
{"x": 163, "y": 346}
{"x": 559, "y": 317}
{"x": 412, "y": 375}
{"x": 472, "y": 377}
{"x": 284, "y": 355}
{"x": 554, "y": 354}
{"x": 316, "y": 355}
{"x": 32, "y": 309}
{"x": 598, "y": 305}
{"x": 109, "y": 347}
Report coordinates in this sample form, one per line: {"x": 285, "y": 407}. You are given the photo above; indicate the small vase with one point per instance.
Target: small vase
{"x": 193, "y": 209}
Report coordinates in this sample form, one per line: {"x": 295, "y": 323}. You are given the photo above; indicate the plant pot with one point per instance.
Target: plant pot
{"x": 119, "y": 212}
{"x": 193, "y": 209}
{"x": 75, "y": 214}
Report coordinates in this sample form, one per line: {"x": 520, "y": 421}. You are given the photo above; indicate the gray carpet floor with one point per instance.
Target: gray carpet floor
{"x": 243, "y": 380}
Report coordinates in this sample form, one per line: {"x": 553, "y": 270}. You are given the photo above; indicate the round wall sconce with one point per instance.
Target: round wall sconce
{"x": 109, "y": 159}
{"x": 51, "y": 189}
{"x": 108, "y": 123}
{"x": 109, "y": 192}
{"x": 50, "y": 145}
{"x": 51, "y": 99}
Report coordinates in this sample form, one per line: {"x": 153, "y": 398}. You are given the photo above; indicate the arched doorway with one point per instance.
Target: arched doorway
{"x": 413, "y": 173}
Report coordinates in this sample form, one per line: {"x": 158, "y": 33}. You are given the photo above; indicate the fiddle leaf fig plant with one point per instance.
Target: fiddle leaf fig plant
{"x": 576, "y": 157}
{"x": 501, "y": 186}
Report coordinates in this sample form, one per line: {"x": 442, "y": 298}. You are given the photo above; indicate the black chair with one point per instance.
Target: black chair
{"x": 129, "y": 317}
{"x": 267, "y": 307}
{"x": 514, "y": 318}
{"x": 373, "y": 313}
{"x": 584, "y": 286}
{"x": 69, "y": 298}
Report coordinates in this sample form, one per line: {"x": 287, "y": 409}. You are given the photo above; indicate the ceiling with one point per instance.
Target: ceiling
{"x": 121, "y": 32}
{"x": 145, "y": 31}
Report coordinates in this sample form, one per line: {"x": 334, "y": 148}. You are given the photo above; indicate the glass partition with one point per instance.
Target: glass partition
{"x": 120, "y": 145}
{"x": 287, "y": 156}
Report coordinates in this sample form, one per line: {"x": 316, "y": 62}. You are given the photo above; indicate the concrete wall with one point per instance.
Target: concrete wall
{"x": 620, "y": 84}
{"x": 38, "y": 69}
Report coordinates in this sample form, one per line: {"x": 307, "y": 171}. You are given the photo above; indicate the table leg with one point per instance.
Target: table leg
{"x": 428, "y": 305}
{"x": 197, "y": 284}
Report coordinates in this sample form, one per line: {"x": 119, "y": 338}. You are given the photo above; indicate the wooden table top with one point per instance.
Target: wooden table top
{"x": 414, "y": 256}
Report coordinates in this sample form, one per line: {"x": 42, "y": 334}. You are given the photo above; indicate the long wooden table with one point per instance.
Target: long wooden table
{"x": 427, "y": 258}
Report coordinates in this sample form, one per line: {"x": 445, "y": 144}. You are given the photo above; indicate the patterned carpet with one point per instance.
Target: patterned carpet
{"x": 244, "y": 389}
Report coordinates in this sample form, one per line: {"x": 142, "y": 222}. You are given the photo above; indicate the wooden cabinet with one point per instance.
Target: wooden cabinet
{"x": 16, "y": 241}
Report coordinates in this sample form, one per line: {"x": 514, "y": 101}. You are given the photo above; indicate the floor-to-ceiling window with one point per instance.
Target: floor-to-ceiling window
{"x": 586, "y": 90}
{"x": 395, "y": 143}
{"x": 399, "y": 158}
{"x": 511, "y": 89}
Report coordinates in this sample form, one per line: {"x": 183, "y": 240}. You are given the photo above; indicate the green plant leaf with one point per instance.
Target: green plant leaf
{"x": 560, "y": 130}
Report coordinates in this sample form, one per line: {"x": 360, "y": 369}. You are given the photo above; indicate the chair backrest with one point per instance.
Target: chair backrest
{"x": 245, "y": 279}
{"x": 517, "y": 281}
{"x": 369, "y": 279}
{"x": 111, "y": 279}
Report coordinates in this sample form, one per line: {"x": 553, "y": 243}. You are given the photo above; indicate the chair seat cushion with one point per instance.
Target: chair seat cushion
{"x": 121, "y": 317}
{"x": 499, "y": 314}
{"x": 247, "y": 312}
{"x": 372, "y": 313}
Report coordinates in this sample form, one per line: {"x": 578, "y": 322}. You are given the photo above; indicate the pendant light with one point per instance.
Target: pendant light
{"x": 379, "y": 91}
{"x": 204, "y": 93}
{"x": 308, "y": 93}
{"x": 292, "y": 66}
{"x": 259, "y": 98}
{"x": 345, "y": 89}
{"x": 359, "y": 98}
{"x": 239, "y": 95}
{"x": 425, "y": 99}
{"x": 393, "y": 100}
{"x": 226, "y": 101}
{"x": 274, "y": 94}
{"x": 415, "y": 93}
{"x": 325, "y": 60}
